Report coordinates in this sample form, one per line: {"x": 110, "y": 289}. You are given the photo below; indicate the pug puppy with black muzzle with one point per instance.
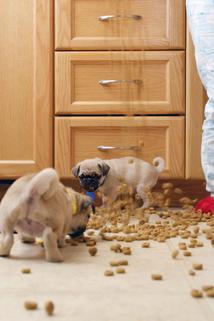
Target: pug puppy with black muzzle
{"x": 105, "y": 176}
{"x": 38, "y": 205}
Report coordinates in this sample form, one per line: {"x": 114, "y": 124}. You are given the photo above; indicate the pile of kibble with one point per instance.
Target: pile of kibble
{"x": 124, "y": 221}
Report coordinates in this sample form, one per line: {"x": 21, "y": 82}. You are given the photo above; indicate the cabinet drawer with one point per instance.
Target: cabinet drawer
{"x": 148, "y": 82}
{"x": 77, "y": 138}
{"x": 113, "y": 24}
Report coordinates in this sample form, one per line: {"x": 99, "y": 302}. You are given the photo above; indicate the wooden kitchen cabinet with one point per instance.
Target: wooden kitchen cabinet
{"x": 102, "y": 82}
{"x": 115, "y": 24}
{"x": 165, "y": 108}
{"x": 78, "y": 138}
{"x": 26, "y": 81}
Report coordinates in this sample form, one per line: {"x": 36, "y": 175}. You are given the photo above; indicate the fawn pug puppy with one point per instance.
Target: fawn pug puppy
{"x": 106, "y": 175}
{"x": 39, "y": 205}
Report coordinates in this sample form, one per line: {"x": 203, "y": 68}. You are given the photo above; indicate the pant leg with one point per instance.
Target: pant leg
{"x": 201, "y": 23}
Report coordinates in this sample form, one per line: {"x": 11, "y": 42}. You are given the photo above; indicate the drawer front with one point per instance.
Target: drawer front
{"x": 113, "y": 24}
{"x": 147, "y": 82}
{"x": 77, "y": 138}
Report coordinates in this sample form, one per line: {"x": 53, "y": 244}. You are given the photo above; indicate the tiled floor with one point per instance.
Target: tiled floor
{"x": 81, "y": 292}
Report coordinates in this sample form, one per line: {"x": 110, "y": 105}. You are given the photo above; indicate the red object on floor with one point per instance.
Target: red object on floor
{"x": 206, "y": 205}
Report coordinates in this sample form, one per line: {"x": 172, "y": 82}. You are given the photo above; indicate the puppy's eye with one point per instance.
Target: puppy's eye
{"x": 82, "y": 176}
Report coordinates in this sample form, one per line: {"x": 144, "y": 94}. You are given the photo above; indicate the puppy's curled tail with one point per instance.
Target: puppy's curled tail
{"x": 44, "y": 184}
{"x": 159, "y": 164}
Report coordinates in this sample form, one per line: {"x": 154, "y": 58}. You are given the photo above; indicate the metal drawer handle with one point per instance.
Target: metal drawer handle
{"x": 113, "y": 17}
{"x": 106, "y": 148}
{"x": 106, "y": 82}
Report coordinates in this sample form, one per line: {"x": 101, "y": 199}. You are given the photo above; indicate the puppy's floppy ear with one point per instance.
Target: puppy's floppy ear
{"x": 75, "y": 170}
{"x": 104, "y": 168}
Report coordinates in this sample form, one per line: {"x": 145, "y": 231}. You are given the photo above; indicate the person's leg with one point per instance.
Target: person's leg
{"x": 201, "y": 22}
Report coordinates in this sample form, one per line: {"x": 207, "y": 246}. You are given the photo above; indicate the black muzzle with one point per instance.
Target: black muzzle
{"x": 89, "y": 183}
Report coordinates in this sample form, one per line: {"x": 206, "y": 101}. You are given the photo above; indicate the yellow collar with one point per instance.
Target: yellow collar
{"x": 73, "y": 201}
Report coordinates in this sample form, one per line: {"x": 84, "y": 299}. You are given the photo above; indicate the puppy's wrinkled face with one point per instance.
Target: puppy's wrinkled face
{"x": 91, "y": 173}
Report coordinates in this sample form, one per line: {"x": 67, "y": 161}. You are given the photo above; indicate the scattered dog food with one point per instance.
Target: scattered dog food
{"x": 123, "y": 262}
{"x": 187, "y": 253}
{"x": 196, "y": 293}
{"x": 108, "y": 273}
{"x": 126, "y": 250}
{"x": 49, "y": 307}
{"x": 91, "y": 242}
{"x": 191, "y": 272}
{"x": 175, "y": 254}
{"x": 114, "y": 263}
{"x": 30, "y": 305}
{"x": 120, "y": 270}
{"x": 182, "y": 246}
{"x": 207, "y": 287}
{"x": 117, "y": 248}
{"x": 197, "y": 266}
{"x": 26, "y": 271}
{"x": 210, "y": 293}
{"x": 146, "y": 244}
{"x": 156, "y": 277}
{"x": 92, "y": 250}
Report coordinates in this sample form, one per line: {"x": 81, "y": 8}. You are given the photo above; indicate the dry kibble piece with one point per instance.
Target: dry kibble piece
{"x": 120, "y": 238}
{"x": 191, "y": 245}
{"x": 182, "y": 246}
{"x": 26, "y": 271}
{"x": 114, "y": 263}
{"x": 108, "y": 273}
{"x": 178, "y": 190}
{"x": 131, "y": 160}
{"x": 92, "y": 251}
{"x": 199, "y": 244}
{"x": 156, "y": 277}
{"x": 187, "y": 253}
{"x": 91, "y": 243}
{"x": 123, "y": 262}
{"x": 49, "y": 307}
{"x": 126, "y": 250}
{"x": 197, "y": 266}
{"x": 30, "y": 305}
{"x": 167, "y": 191}
{"x": 210, "y": 293}
{"x": 120, "y": 270}
{"x": 191, "y": 272}
{"x": 116, "y": 247}
{"x": 167, "y": 185}
{"x": 175, "y": 254}
{"x": 196, "y": 293}
{"x": 146, "y": 244}
{"x": 196, "y": 229}
{"x": 108, "y": 238}
{"x": 207, "y": 287}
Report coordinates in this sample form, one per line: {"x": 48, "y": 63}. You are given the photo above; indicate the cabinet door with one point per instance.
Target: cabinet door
{"x": 79, "y": 138}
{"x": 25, "y": 86}
{"x": 100, "y": 82}
{"x": 113, "y": 24}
